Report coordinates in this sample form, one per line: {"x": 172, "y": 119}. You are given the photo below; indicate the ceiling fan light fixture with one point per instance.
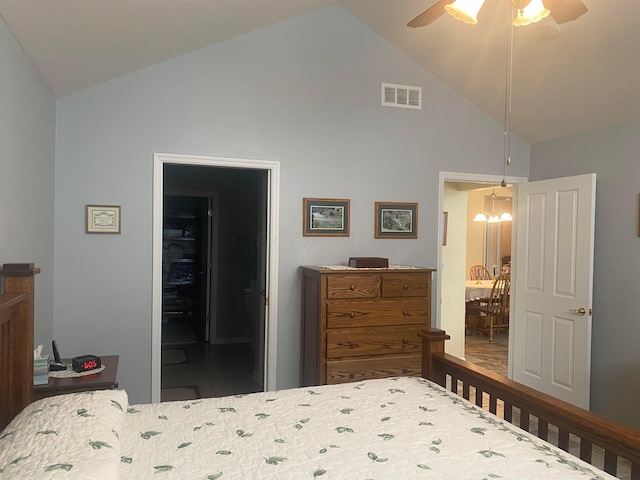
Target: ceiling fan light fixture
{"x": 533, "y": 12}
{"x": 465, "y": 10}
{"x": 493, "y": 218}
{"x": 506, "y": 217}
{"x": 480, "y": 217}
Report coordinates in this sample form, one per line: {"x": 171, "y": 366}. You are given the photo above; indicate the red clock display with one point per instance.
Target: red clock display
{"x": 85, "y": 363}
{"x": 90, "y": 365}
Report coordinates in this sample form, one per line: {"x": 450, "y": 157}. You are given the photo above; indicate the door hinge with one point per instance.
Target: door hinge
{"x": 210, "y": 213}
{"x": 266, "y": 301}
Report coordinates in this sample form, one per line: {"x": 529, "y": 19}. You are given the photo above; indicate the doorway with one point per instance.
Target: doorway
{"x": 488, "y": 244}
{"x": 232, "y": 342}
{"x": 455, "y": 188}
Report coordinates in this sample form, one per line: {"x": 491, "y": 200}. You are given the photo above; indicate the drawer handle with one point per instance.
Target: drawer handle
{"x": 405, "y": 370}
{"x": 405, "y": 341}
{"x": 352, "y": 375}
{"x": 405, "y": 286}
{"x": 405, "y": 313}
{"x": 352, "y": 287}
{"x": 352, "y": 314}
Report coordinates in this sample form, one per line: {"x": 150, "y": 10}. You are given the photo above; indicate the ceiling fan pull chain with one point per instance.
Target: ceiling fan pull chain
{"x": 507, "y": 102}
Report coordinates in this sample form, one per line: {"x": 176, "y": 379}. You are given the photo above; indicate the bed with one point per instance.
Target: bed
{"x": 456, "y": 422}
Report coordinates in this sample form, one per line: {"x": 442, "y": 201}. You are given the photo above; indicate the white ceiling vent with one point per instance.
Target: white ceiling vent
{"x": 401, "y": 96}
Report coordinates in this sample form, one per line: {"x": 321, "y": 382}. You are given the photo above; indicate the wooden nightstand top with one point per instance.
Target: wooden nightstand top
{"x": 104, "y": 380}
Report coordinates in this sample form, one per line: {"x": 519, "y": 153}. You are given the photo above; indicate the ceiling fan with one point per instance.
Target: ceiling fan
{"x": 562, "y": 11}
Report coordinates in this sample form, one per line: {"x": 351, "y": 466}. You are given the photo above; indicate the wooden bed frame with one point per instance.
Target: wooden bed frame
{"x": 568, "y": 427}
{"x": 16, "y": 339}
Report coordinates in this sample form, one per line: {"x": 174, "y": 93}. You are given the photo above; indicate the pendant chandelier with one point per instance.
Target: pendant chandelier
{"x": 492, "y": 216}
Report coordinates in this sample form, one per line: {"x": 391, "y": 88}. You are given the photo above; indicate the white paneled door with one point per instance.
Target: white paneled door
{"x": 551, "y": 310}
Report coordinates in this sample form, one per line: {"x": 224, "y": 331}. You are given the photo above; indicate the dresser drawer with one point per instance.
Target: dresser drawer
{"x": 353, "y": 286}
{"x": 357, "y": 342}
{"x": 352, "y": 370}
{"x": 363, "y": 313}
{"x": 406, "y": 285}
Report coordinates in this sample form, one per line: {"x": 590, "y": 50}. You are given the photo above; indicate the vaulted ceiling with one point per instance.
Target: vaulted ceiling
{"x": 567, "y": 79}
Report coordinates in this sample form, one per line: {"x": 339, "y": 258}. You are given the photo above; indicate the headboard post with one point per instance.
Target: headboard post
{"x": 432, "y": 342}
{"x": 16, "y": 338}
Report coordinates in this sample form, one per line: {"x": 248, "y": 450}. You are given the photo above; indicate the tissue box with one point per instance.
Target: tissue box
{"x": 41, "y": 371}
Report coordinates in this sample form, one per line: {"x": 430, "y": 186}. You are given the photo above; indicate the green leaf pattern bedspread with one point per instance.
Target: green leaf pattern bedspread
{"x": 69, "y": 436}
{"x": 400, "y": 428}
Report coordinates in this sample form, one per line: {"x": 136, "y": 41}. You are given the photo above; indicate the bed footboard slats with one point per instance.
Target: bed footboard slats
{"x": 586, "y": 450}
{"x": 610, "y": 446}
{"x": 508, "y": 412}
{"x": 543, "y": 430}
{"x": 524, "y": 420}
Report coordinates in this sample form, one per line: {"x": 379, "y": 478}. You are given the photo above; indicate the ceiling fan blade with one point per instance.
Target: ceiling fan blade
{"x": 430, "y": 14}
{"x": 564, "y": 11}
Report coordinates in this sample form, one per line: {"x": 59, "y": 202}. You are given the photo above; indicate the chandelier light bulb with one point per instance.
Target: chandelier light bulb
{"x": 465, "y": 10}
{"x": 533, "y": 12}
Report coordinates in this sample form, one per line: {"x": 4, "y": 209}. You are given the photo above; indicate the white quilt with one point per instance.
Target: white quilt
{"x": 69, "y": 436}
{"x": 401, "y": 428}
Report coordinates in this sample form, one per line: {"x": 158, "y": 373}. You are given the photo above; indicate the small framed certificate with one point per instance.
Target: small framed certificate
{"x": 102, "y": 218}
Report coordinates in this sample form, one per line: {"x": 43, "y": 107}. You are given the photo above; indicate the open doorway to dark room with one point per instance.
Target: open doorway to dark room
{"x": 212, "y": 311}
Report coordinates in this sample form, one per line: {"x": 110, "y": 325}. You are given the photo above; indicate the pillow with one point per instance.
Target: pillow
{"x": 76, "y": 435}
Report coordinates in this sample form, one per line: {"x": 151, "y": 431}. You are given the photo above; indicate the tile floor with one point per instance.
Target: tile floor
{"x": 201, "y": 370}
{"x": 490, "y": 355}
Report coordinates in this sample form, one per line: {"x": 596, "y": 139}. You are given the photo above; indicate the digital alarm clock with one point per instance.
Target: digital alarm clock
{"x": 85, "y": 363}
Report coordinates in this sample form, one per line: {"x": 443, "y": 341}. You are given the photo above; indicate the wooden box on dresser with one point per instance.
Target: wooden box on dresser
{"x": 363, "y": 323}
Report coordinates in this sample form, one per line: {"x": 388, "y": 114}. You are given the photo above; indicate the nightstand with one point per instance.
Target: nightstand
{"x": 104, "y": 380}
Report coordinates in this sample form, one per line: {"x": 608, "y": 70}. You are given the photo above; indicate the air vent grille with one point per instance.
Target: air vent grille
{"x": 401, "y": 96}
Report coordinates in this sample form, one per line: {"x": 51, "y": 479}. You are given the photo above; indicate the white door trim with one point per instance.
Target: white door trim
{"x": 273, "y": 194}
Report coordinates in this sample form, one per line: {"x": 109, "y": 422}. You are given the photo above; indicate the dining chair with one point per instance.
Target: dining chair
{"x": 471, "y": 316}
{"x": 479, "y": 272}
{"x": 494, "y": 315}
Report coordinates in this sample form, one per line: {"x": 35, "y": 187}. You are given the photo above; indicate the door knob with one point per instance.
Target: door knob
{"x": 578, "y": 311}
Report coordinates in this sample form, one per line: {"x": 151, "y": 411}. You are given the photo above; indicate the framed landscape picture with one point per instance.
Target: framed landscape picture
{"x": 396, "y": 220}
{"x": 325, "y": 217}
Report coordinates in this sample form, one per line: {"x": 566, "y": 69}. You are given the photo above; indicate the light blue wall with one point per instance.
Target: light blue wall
{"x": 27, "y": 139}
{"x": 304, "y": 92}
{"x": 611, "y": 153}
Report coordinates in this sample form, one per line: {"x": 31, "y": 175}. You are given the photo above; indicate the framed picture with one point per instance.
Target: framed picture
{"x": 396, "y": 220}
{"x": 102, "y": 218}
{"x": 325, "y": 217}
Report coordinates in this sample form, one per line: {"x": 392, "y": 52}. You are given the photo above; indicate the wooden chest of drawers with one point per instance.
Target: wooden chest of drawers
{"x": 360, "y": 324}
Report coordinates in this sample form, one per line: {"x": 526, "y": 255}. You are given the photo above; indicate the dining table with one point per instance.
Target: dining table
{"x": 477, "y": 289}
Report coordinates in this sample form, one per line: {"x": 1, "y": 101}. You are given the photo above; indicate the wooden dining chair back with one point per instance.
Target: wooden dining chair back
{"x": 494, "y": 315}
{"x": 479, "y": 272}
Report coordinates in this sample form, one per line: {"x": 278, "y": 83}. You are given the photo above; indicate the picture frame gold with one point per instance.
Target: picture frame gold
{"x": 102, "y": 219}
